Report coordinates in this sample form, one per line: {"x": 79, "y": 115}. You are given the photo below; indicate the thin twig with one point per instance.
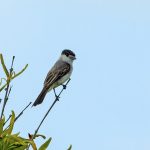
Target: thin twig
{"x": 12, "y": 75}
{"x": 8, "y": 90}
{"x": 17, "y": 116}
{"x": 21, "y": 113}
{"x": 56, "y": 99}
{"x": 11, "y": 68}
{"x": 5, "y": 100}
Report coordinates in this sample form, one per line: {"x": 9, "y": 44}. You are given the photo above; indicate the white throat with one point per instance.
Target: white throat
{"x": 66, "y": 59}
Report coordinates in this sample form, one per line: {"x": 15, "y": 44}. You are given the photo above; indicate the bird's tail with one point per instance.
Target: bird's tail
{"x": 40, "y": 98}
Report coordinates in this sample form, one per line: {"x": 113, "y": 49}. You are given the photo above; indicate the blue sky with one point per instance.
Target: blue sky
{"x": 106, "y": 105}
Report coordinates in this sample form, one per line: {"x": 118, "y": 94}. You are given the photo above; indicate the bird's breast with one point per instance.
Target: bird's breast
{"x": 64, "y": 78}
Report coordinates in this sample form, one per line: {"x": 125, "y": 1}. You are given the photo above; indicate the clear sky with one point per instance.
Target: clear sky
{"x": 107, "y": 103}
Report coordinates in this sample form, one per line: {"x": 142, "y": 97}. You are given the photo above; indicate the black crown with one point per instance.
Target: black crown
{"x": 68, "y": 52}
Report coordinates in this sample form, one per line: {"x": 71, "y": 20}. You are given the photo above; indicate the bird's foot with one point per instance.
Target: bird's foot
{"x": 56, "y": 96}
{"x": 64, "y": 86}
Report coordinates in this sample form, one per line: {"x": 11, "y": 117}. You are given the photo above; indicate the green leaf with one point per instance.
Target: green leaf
{"x": 40, "y": 135}
{"x": 12, "y": 76}
{"x": 20, "y": 72}
{"x": 1, "y": 80}
{"x": 15, "y": 145}
{"x": 17, "y": 134}
{"x": 2, "y": 124}
{"x": 32, "y": 144}
{"x": 70, "y": 147}
{"x": 11, "y": 125}
{"x": 12, "y": 121}
{"x": 3, "y": 87}
{"x": 4, "y": 66}
{"x": 15, "y": 138}
{"x": 45, "y": 145}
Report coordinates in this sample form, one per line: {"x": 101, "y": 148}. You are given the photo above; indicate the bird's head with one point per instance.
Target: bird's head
{"x": 68, "y": 55}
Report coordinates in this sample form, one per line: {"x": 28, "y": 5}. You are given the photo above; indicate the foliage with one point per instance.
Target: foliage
{"x": 9, "y": 76}
{"x": 9, "y": 140}
{"x": 70, "y": 147}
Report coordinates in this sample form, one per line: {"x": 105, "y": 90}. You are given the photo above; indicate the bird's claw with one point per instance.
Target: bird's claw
{"x": 64, "y": 86}
{"x": 57, "y": 97}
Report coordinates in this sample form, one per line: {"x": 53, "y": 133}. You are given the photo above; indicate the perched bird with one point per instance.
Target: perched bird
{"x": 59, "y": 73}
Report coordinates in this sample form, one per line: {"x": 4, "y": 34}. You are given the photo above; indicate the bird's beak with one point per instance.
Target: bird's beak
{"x": 72, "y": 57}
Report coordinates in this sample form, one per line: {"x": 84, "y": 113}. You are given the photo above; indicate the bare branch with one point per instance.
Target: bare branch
{"x": 8, "y": 90}
{"x": 19, "y": 115}
{"x": 56, "y": 99}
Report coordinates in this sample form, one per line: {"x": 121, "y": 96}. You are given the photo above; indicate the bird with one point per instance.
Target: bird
{"x": 58, "y": 74}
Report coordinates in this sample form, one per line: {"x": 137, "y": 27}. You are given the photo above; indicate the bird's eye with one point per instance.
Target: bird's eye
{"x": 67, "y": 54}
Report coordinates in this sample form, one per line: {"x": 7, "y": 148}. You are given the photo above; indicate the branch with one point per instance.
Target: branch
{"x": 56, "y": 99}
{"x": 20, "y": 114}
{"x": 8, "y": 90}
{"x": 10, "y": 75}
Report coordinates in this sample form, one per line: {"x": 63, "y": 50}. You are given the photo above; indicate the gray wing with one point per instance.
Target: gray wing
{"x": 58, "y": 70}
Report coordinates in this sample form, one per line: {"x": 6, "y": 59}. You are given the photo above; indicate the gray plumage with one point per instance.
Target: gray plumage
{"x": 59, "y": 73}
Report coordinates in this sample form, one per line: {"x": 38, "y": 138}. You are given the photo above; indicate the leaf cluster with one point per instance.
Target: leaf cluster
{"x": 9, "y": 75}
{"x": 10, "y": 141}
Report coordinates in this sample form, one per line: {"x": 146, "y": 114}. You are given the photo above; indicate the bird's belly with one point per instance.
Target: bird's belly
{"x": 63, "y": 79}
{"x": 60, "y": 81}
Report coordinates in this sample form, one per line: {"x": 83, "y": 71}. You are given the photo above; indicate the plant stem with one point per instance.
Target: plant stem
{"x": 56, "y": 99}
{"x": 5, "y": 101}
{"x": 8, "y": 90}
{"x": 17, "y": 116}
{"x": 22, "y": 111}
